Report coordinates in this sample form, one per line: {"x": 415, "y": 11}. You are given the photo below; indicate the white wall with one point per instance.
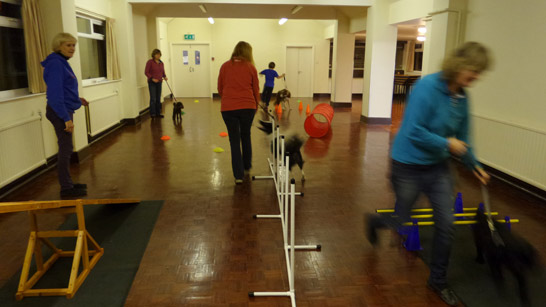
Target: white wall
{"x": 514, "y": 90}
{"x": 101, "y": 7}
{"x": 509, "y": 102}
{"x": 269, "y": 43}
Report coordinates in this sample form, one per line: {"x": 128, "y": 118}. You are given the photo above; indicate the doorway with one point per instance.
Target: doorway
{"x": 191, "y": 70}
{"x": 299, "y": 71}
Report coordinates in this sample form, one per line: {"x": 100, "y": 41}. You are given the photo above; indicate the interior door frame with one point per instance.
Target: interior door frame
{"x": 208, "y": 43}
{"x": 286, "y": 46}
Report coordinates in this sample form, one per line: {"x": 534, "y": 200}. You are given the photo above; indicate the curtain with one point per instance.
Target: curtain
{"x": 112, "y": 64}
{"x": 35, "y": 45}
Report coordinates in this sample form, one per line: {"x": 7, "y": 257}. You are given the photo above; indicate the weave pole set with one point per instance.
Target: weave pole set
{"x": 286, "y": 196}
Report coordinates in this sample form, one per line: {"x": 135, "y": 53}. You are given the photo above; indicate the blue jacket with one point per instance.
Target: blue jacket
{"x": 270, "y": 76}
{"x": 62, "y": 86}
{"x": 431, "y": 116}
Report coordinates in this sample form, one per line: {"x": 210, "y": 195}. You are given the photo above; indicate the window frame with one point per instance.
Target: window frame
{"x": 10, "y": 22}
{"x": 96, "y": 36}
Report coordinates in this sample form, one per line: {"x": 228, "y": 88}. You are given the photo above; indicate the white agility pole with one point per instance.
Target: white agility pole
{"x": 288, "y": 253}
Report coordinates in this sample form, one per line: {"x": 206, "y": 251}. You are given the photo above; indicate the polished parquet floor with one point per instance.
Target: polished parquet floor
{"x": 206, "y": 248}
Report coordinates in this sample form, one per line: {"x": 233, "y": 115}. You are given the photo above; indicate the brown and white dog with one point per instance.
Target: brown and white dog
{"x": 283, "y": 98}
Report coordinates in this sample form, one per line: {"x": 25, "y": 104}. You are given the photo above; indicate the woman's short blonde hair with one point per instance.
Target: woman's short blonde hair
{"x": 243, "y": 50}
{"x": 60, "y": 39}
{"x": 155, "y": 51}
{"x": 469, "y": 56}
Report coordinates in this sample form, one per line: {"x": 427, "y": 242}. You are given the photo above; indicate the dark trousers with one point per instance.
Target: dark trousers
{"x": 266, "y": 94}
{"x": 238, "y": 123}
{"x": 155, "y": 98}
{"x": 435, "y": 181}
{"x": 64, "y": 140}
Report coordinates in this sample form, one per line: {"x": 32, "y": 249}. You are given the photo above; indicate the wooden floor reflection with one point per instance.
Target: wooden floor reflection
{"x": 207, "y": 250}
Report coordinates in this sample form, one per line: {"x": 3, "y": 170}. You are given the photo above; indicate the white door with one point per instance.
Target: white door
{"x": 191, "y": 70}
{"x": 299, "y": 71}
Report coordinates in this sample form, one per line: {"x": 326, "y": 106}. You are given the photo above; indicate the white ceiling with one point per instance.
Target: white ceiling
{"x": 406, "y": 31}
{"x": 262, "y": 11}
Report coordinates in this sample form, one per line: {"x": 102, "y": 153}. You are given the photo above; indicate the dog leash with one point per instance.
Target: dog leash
{"x": 172, "y": 94}
{"x": 497, "y": 240}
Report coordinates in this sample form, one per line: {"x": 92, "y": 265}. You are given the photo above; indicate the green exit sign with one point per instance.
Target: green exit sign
{"x": 189, "y": 36}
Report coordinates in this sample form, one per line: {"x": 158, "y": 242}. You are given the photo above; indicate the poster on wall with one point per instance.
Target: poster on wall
{"x": 185, "y": 56}
{"x": 197, "y": 57}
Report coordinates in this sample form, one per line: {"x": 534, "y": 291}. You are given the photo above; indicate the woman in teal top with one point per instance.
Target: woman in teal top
{"x": 436, "y": 126}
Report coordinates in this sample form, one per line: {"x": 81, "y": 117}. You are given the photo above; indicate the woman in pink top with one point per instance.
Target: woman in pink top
{"x": 240, "y": 94}
{"x": 155, "y": 72}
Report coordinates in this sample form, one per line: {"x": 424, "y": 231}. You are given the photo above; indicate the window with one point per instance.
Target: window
{"x": 92, "y": 46}
{"x": 418, "y": 57}
{"x": 13, "y": 67}
{"x": 360, "y": 50}
{"x": 358, "y": 66}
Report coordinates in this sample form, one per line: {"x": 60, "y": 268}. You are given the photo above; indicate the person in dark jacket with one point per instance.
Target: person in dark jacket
{"x": 62, "y": 100}
{"x": 436, "y": 126}
{"x": 155, "y": 72}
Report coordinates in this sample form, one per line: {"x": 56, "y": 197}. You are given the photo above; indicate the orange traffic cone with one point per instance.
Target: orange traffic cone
{"x": 301, "y": 106}
{"x": 308, "y": 109}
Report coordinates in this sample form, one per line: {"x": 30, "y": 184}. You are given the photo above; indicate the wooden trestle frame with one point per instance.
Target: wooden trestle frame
{"x": 86, "y": 246}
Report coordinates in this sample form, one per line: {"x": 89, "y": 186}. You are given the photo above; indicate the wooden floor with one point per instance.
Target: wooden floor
{"x": 207, "y": 250}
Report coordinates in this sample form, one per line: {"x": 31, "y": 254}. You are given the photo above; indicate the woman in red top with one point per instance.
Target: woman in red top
{"x": 155, "y": 72}
{"x": 240, "y": 94}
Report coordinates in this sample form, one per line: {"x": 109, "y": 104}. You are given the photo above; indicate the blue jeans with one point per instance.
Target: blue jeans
{"x": 155, "y": 98}
{"x": 435, "y": 181}
{"x": 238, "y": 123}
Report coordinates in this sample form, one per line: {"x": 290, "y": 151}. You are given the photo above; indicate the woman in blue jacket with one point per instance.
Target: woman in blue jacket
{"x": 435, "y": 127}
{"x": 62, "y": 100}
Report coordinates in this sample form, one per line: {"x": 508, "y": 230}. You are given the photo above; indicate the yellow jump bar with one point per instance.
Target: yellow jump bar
{"x": 428, "y": 216}
{"x": 418, "y": 210}
{"x": 456, "y": 222}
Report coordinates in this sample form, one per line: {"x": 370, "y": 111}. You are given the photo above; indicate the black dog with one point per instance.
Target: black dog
{"x": 505, "y": 250}
{"x": 177, "y": 111}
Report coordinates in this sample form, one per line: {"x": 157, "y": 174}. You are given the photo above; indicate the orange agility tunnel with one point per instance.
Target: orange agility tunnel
{"x": 317, "y": 124}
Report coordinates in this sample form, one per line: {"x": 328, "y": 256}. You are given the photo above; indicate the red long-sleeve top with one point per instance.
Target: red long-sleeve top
{"x": 154, "y": 70}
{"x": 238, "y": 85}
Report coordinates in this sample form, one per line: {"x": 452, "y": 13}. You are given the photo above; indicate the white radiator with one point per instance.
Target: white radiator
{"x": 103, "y": 113}
{"x": 144, "y": 97}
{"x": 21, "y": 149}
{"x": 513, "y": 149}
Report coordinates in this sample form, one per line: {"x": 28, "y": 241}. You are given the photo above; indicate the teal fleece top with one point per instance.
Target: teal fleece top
{"x": 62, "y": 86}
{"x": 432, "y": 115}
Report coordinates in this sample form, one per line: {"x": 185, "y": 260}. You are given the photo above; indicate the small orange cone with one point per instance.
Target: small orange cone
{"x": 301, "y": 106}
{"x": 308, "y": 110}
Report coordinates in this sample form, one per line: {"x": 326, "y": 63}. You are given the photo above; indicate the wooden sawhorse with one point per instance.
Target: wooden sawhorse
{"x": 82, "y": 250}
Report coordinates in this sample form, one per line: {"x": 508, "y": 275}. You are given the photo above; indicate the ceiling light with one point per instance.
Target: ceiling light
{"x": 211, "y": 20}
{"x": 296, "y": 9}
{"x": 421, "y": 38}
{"x": 203, "y": 8}
{"x": 282, "y": 21}
{"x": 422, "y": 30}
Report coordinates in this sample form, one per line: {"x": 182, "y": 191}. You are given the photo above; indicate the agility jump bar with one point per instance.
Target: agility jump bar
{"x": 419, "y": 210}
{"x": 456, "y": 222}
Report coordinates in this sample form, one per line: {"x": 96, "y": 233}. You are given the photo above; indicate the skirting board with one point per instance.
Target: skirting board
{"x": 375, "y": 120}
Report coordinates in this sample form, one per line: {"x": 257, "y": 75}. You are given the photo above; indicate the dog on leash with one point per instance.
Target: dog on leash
{"x": 502, "y": 250}
{"x": 177, "y": 111}
{"x": 283, "y": 98}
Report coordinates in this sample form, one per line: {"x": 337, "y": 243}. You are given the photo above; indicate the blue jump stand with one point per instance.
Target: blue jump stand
{"x": 412, "y": 242}
{"x": 458, "y": 206}
{"x": 508, "y": 223}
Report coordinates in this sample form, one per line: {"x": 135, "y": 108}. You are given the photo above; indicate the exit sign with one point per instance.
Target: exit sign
{"x": 189, "y": 36}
